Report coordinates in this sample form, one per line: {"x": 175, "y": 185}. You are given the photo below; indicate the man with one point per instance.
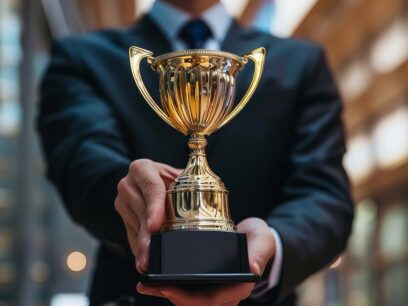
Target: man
{"x": 112, "y": 158}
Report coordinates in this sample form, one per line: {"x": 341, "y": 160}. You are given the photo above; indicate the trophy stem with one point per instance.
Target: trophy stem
{"x": 197, "y": 144}
{"x": 197, "y": 163}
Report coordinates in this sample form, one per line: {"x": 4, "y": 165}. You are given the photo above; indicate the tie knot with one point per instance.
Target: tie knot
{"x": 195, "y": 33}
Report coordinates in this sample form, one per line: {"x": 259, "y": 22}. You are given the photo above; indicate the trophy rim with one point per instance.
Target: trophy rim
{"x": 197, "y": 52}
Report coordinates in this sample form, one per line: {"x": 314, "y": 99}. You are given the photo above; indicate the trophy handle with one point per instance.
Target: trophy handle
{"x": 258, "y": 57}
{"x": 136, "y": 55}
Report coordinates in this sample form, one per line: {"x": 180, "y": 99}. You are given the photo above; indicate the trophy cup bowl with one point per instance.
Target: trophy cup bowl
{"x": 198, "y": 242}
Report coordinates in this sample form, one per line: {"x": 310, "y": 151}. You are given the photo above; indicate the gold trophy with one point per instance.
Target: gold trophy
{"x": 198, "y": 243}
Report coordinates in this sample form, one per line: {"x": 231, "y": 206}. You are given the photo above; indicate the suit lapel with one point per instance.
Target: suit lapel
{"x": 146, "y": 34}
{"x": 235, "y": 39}
{"x": 240, "y": 40}
{"x": 150, "y": 36}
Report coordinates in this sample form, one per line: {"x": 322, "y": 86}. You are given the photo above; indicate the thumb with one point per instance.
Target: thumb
{"x": 153, "y": 190}
{"x": 255, "y": 268}
{"x": 168, "y": 173}
{"x": 261, "y": 243}
{"x": 259, "y": 253}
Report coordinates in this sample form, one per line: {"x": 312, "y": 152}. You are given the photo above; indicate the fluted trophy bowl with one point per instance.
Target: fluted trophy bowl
{"x": 197, "y": 92}
{"x": 197, "y": 88}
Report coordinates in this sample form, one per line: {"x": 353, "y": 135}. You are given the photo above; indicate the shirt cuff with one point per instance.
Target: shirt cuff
{"x": 274, "y": 274}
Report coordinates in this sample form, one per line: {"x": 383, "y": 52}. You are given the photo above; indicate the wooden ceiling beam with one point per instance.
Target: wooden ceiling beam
{"x": 102, "y": 14}
{"x": 375, "y": 101}
{"x": 382, "y": 183}
{"x": 315, "y": 18}
{"x": 93, "y": 13}
{"x": 250, "y": 11}
{"x": 89, "y": 17}
{"x": 127, "y": 12}
{"x": 343, "y": 29}
{"x": 358, "y": 27}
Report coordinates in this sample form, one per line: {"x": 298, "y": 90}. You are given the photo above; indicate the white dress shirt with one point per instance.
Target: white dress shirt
{"x": 170, "y": 20}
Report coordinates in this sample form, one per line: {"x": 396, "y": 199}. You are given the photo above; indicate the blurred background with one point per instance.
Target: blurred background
{"x": 46, "y": 260}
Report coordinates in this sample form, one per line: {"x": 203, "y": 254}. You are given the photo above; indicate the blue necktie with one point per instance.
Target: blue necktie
{"x": 195, "y": 33}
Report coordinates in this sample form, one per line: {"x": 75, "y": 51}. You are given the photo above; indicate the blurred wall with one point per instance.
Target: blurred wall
{"x": 367, "y": 46}
{"x": 36, "y": 236}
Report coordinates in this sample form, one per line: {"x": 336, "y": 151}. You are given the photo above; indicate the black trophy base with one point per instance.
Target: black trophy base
{"x": 193, "y": 257}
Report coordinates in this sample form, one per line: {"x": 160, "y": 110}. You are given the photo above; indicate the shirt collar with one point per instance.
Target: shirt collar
{"x": 170, "y": 20}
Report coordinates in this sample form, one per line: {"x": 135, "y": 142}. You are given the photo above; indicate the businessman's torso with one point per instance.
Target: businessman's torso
{"x": 250, "y": 154}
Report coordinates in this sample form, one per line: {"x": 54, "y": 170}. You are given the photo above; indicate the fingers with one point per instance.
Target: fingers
{"x": 260, "y": 252}
{"x": 132, "y": 225}
{"x": 261, "y": 243}
{"x": 168, "y": 173}
{"x": 149, "y": 290}
{"x": 225, "y": 295}
{"x": 132, "y": 238}
{"x": 151, "y": 185}
{"x": 168, "y": 170}
{"x": 173, "y": 294}
{"x": 128, "y": 190}
{"x": 235, "y": 303}
{"x": 140, "y": 203}
{"x": 182, "y": 298}
{"x": 167, "y": 179}
{"x": 143, "y": 243}
{"x": 230, "y": 294}
{"x": 129, "y": 216}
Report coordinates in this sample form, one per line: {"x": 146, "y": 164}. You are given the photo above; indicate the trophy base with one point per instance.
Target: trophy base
{"x": 198, "y": 279}
{"x": 197, "y": 257}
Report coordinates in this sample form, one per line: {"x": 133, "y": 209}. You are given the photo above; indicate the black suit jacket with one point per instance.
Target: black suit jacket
{"x": 281, "y": 157}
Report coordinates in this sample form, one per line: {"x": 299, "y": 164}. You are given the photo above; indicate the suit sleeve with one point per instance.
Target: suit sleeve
{"x": 315, "y": 211}
{"x": 83, "y": 145}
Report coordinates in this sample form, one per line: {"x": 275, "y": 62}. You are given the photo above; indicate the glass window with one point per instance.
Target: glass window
{"x": 355, "y": 78}
{"x": 359, "y": 159}
{"x": 289, "y": 13}
{"x": 362, "y": 239}
{"x": 395, "y": 285}
{"x": 394, "y": 233}
{"x": 391, "y": 48}
{"x": 360, "y": 289}
{"x": 10, "y": 54}
{"x": 390, "y": 138}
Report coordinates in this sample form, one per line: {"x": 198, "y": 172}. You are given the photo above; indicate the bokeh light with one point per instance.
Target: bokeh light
{"x": 76, "y": 261}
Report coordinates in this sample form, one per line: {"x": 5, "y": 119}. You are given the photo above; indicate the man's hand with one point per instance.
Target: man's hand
{"x": 140, "y": 203}
{"x": 261, "y": 249}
